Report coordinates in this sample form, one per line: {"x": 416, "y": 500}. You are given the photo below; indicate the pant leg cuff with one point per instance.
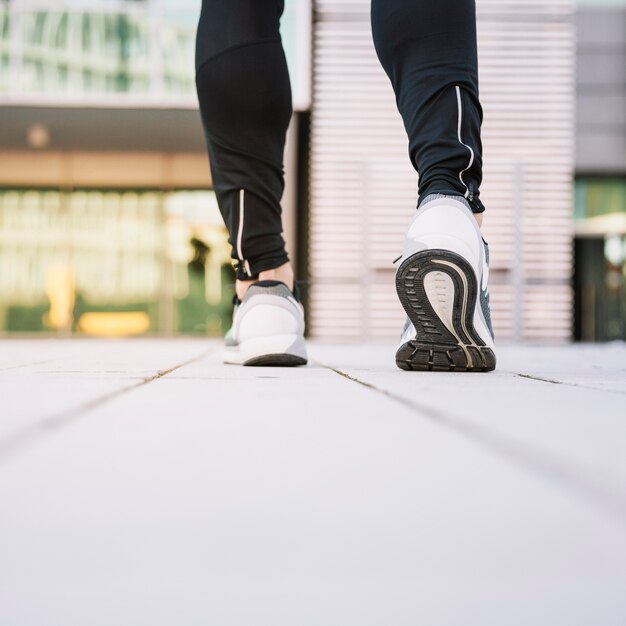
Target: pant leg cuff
{"x": 251, "y": 269}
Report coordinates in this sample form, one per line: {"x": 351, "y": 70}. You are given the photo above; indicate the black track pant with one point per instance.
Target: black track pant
{"x": 427, "y": 48}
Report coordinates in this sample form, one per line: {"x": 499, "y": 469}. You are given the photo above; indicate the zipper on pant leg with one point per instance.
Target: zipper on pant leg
{"x": 469, "y": 194}
{"x": 242, "y": 216}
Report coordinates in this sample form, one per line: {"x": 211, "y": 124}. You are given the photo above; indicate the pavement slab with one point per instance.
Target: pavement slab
{"x": 547, "y": 408}
{"x": 152, "y": 484}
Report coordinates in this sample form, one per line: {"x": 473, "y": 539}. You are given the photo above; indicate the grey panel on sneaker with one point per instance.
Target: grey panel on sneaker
{"x": 484, "y": 297}
{"x": 268, "y": 288}
{"x": 441, "y": 196}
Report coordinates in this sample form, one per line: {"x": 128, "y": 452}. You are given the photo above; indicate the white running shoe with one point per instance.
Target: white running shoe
{"x": 442, "y": 285}
{"x": 268, "y": 328}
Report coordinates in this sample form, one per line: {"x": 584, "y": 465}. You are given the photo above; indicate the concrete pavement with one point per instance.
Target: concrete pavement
{"x": 143, "y": 482}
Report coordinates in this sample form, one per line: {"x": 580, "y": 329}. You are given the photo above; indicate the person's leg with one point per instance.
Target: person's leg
{"x": 428, "y": 49}
{"x": 245, "y": 102}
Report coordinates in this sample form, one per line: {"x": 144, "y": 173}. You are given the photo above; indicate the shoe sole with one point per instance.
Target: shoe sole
{"x": 438, "y": 347}
{"x": 276, "y": 360}
{"x": 273, "y": 351}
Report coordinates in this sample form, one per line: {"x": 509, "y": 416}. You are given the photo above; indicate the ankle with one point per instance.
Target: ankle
{"x": 283, "y": 274}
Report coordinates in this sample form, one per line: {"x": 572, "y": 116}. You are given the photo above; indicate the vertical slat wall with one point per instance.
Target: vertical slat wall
{"x": 364, "y": 189}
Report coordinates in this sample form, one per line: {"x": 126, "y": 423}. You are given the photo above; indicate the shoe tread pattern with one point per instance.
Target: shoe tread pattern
{"x": 435, "y": 348}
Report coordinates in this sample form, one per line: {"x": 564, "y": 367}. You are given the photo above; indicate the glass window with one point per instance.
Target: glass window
{"x": 106, "y": 262}
{"x": 66, "y": 52}
{"x": 598, "y": 197}
{"x": 140, "y": 48}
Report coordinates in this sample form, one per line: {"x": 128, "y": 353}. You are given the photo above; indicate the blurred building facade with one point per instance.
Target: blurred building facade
{"x": 107, "y": 220}
{"x": 527, "y": 61}
{"x": 108, "y": 224}
{"x": 553, "y": 277}
{"x": 600, "y": 208}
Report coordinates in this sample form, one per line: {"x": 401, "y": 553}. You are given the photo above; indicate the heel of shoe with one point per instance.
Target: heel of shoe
{"x": 447, "y": 225}
{"x": 286, "y": 350}
{"x": 439, "y": 292}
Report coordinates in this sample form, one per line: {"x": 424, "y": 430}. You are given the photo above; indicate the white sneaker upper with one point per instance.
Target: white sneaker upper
{"x": 268, "y": 328}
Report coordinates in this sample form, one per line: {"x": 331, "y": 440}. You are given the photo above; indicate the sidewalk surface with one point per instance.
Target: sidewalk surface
{"x": 145, "y": 483}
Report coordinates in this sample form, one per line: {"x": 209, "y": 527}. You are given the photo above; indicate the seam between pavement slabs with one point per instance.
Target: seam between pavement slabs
{"x": 563, "y": 474}
{"x": 552, "y": 381}
{"x": 23, "y": 438}
{"x": 23, "y": 365}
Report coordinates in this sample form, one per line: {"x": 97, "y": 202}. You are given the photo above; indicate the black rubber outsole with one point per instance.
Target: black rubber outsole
{"x": 276, "y": 360}
{"x": 435, "y": 348}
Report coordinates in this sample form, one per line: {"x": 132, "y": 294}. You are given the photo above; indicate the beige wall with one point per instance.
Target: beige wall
{"x": 109, "y": 169}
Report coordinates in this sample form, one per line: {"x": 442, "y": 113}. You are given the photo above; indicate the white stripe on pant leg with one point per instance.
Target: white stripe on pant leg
{"x": 241, "y": 218}
{"x": 472, "y": 156}
{"x": 242, "y": 213}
